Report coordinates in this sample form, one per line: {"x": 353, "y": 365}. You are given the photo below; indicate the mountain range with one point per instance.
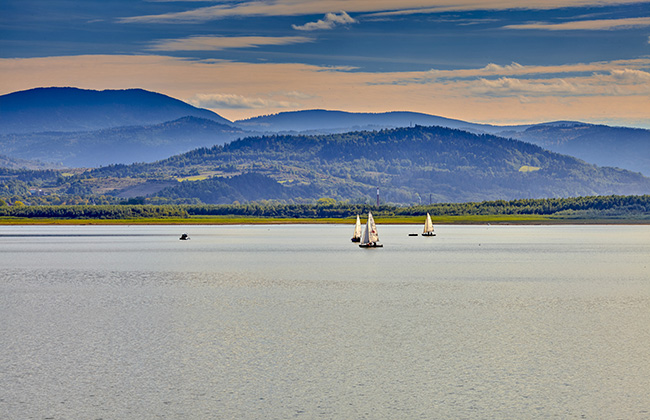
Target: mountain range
{"x": 306, "y": 153}
{"x": 85, "y": 128}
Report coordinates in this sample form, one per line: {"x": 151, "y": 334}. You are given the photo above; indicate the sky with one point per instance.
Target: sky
{"x": 498, "y": 62}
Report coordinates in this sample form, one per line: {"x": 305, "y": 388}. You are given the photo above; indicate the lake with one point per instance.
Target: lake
{"x": 278, "y": 322}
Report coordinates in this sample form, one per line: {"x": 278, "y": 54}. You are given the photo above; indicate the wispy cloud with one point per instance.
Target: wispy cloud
{"x": 230, "y": 101}
{"x": 384, "y": 7}
{"x": 495, "y": 68}
{"x": 215, "y": 43}
{"x": 616, "y": 82}
{"x": 507, "y": 86}
{"x": 586, "y": 25}
{"x": 328, "y": 22}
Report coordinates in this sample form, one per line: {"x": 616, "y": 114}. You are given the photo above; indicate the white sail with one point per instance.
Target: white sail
{"x": 428, "y": 225}
{"x": 371, "y": 230}
{"x": 357, "y": 229}
{"x": 370, "y": 238}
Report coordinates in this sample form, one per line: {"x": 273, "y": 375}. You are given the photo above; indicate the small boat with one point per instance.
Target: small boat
{"x": 413, "y": 234}
{"x": 370, "y": 238}
{"x": 428, "y": 227}
{"x": 356, "y": 237}
{"x": 184, "y": 237}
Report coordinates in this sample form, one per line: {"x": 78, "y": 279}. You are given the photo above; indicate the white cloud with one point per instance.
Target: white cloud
{"x": 630, "y": 75}
{"x": 328, "y": 22}
{"x": 230, "y": 101}
{"x": 296, "y": 95}
{"x": 215, "y": 43}
{"x": 495, "y": 68}
{"x": 615, "y": 82}
{"x": 507, "y": 86}
{"x": 586, "y": 25}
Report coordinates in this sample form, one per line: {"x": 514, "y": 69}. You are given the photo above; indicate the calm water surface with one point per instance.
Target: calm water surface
{"x": 278, "y": 322}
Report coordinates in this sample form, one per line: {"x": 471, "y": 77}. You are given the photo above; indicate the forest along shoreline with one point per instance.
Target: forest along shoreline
{"x": 579, "y": 210}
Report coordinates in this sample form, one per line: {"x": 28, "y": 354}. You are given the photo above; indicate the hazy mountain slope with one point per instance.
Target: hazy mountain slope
{"x": 320, "y": 121}
{"x": 13, "y": 163}
{"x": 71, "y": 109}
{"x": 409, "y": 165}
{"x": 119, "y": 145}
{"x": 621, "y": 147}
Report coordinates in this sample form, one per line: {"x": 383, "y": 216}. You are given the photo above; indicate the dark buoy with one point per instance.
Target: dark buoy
{"x": 184, "y": 237}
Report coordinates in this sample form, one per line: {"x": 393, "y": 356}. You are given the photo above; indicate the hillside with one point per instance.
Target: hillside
{"x": 70, "y": 109}
{"x": 118, "y": 145}
{"x": 621, "y": 147}
{"x": 409, "y": 165}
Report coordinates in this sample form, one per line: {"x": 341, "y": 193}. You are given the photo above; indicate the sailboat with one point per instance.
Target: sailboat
{"x": 356, "y": 237}
{"x": 370, "y": 238}
{"x": 428, "y": 227}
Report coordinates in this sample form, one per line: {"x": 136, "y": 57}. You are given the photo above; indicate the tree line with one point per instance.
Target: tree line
{"x": 612, "y": 205}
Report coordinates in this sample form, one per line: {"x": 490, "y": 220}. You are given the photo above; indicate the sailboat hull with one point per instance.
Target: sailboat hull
{"x": 429, "y": 234}
{"x": 356, "y": 239}
{"x": 371, "y": 245}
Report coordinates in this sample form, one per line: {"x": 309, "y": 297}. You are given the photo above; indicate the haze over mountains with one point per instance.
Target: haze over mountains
{"x": 80, "y": 128}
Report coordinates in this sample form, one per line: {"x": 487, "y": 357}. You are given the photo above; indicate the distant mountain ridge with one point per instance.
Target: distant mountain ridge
{"x": 320, "y": 121}
{"x": 68, "y": 109}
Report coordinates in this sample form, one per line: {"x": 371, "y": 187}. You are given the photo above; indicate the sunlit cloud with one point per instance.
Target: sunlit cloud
{"x": 616, "y": 82}
{"x": 296, "y": 95}
{"x": 328, "y": 22}
{"x": 507, "y": 86}
{"x": 495, "y": 68}
{"x": 630, "y": 75}
{"x": 376, "y": 7}
{"x": 231, "y": 101}
{"x": 586, "y": 25}
{"x": 215, "y": 43}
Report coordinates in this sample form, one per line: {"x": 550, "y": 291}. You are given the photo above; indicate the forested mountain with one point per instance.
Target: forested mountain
{"x": 70, "y": 109}
{"x": 409, "y": 165}
{"x": 621, "y": 147}
{"x": 118, "y": 145}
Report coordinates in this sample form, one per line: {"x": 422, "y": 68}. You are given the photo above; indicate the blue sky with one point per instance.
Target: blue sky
{"x": 483, "y": 61}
